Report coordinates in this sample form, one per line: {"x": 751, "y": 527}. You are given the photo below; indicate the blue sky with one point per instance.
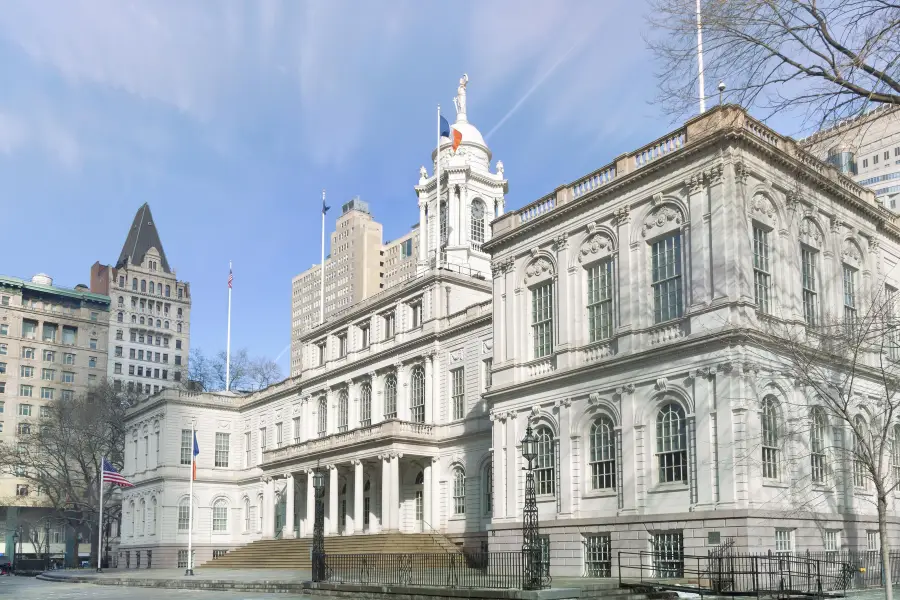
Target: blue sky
{"x": 230, "y": 117}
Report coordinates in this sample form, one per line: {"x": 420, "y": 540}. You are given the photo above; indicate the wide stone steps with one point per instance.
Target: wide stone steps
{"x": 295, "y": 553}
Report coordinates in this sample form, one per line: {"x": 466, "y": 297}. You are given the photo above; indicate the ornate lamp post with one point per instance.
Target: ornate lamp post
{"x": 531, "y": 543}
{"x": 318, "y": 545}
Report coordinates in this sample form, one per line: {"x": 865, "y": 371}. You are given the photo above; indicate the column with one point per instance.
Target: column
{"x": 385, "y": 520}
{"x": 377, "y": 398}
{"x": 565, "y": 458}
{"x": 499, "y": 477}
{"x": 395, "y": 492}
{"x": 423, "y": 232}
{"x": 402, "y": 392}
{"x": 310, "y": 503}
{"x": 268, "y": 530}
{"x": 512, "y": 471}
{"x": 357, "y": 496}
{"x": 630, "y": 473}
{"x": 695, "y": 243}
{"x": 435, "y": 397}
{"x": 627, "y": 261}
{"x": 435, "y": 519}
{"x": 333, "y": 500}
{"x": 353, "y": 408}
{"x": 427, "y": 496}
{"x": 288, "y": 507}
{"x": 429, "y": 387}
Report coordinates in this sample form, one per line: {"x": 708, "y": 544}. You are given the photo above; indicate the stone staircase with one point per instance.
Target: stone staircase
{"x": 295, "y": 553}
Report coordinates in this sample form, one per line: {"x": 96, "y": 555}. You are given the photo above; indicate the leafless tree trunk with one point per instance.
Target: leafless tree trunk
{"x": 830, "y": 59}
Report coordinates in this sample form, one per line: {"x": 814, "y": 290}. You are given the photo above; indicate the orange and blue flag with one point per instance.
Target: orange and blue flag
{"x": 450, "y": 132}
{"x": 196, "y": 451}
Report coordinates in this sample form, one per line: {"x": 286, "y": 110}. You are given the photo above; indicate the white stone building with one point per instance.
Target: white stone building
{"x": 150, "y": 312}
{"x": 622, "y": 322}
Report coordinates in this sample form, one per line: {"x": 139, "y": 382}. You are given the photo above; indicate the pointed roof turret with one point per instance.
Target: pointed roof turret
{"x": 141, "y": 237}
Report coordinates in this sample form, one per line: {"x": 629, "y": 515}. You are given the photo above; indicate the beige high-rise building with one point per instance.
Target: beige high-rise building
{"x": 53, "y": 346}
{"x": 150, "y": 312}
{"x": 400, "y": 258}
{"x": 353, "y": 271}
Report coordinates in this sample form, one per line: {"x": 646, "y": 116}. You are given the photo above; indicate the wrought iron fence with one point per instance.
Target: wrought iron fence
{"x": 501, "y": 570}
{"x": 865, "y": 566}
{"x": 736, "y": 574}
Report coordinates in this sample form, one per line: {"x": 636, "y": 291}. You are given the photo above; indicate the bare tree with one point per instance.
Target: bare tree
{"x": 60, "y": 455}
{"x": 831, "y": 59}
{"x": 263, "y": 372}
{"x": 849, "y": 367}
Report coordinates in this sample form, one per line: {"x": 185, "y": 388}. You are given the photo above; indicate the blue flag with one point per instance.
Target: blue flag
{"x": 445, "y": 127}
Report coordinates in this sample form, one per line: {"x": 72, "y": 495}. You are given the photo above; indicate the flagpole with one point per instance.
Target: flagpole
{"x": 322, "y": 292}
{"x": 99, "y": 525}
{"x": 437, "y": 171}
{"x": 700, "y": 60}
{"x": 190, "y": 558}
{"x": 228, "y": 336}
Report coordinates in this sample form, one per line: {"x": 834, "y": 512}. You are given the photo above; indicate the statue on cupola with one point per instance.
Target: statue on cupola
{"x": 460, "y": 100}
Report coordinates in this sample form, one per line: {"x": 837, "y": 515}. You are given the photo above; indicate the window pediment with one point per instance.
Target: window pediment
{"x": 539, "y": 269}
{"x": 596, "y": 247}
{"x": 662, "y": 220}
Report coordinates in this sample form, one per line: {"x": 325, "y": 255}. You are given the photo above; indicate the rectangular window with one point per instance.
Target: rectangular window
{"x": 668, "y": 554}
{"x": 296, "y": 429}
{"x": 92, "y": 362}
{"x": 262, "y": 444}
{"x": 4, "y": 300}
{"x": 542, "y": 319}
{"x": 849, "y": 295}
{"x": 600, "y": 300}
{"x": 488, "y": 376}
{"x": 4, "y": 329}
{"x": 68, "y": 358}
{"x": 873, "y": 541}
{"x": 832, "y": 540}
{"x": 892, "y": 340}
{"x": 184, "y": 516}
{"x": 46, "y": 394}
{"x": 666, "y": 274}
{"x": 4, "y": 348}
{"x": 342, "y": 345}
{"x": 29, "y": 329}
{"x": 808, "y": 263}
{"x": 67, "y": 395}
{"x": 68, "y": 377}
{"x": 322, "y": 348}
{"x": 70, "y": 334}
{"x": 364, "y": 336}
{"x": 186, "y": 446}
{"x": 27, "y": 352}
{"x": 279, "y": 434}
{"x": 247, "y": 450}
{"x": 26, "y": 371}
{"x": 48, "y": 374}
{"x": 388, "y": 325}
{"x": 458, "y": 393}
{"x": 26, "y": 391}
{"x": 222, "y": 446}
{"x": 761, "y": 269}
{"x": 24, "y": 410}
{"x": 784, "y": 541}
{"x": 598, "y": 555}
{"x": 48, "y": 355}
{"x": 415, "y": 309}
{"x": 50, "y": 332}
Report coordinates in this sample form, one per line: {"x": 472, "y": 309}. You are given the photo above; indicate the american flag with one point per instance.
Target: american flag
{"x": 230, "y": 277}
{"x": 110, "y": 475}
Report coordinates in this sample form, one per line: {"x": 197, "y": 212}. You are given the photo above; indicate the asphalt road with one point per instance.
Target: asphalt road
{"x": 28, "y": 588}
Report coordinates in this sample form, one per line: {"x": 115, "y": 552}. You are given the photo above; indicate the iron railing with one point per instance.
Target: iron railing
{"x": 733, "y": 574}
{"x": 499, "y": 570}
{"x": 865, "y": 565}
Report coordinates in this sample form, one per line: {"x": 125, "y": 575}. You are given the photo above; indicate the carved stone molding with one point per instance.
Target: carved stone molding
{"x": 561, "y": 242}
{"x": 487, "y": 346}
{"x": 539, "y": 268}
{"x": 628, "y": 388}
{"x": 761, "y": 205}
{"x": 623, "y": 215}
{"x": 741, "y": 172}
{"x": 694, "y": 183}
{"x": 836, "y": 225}
{"x": 457, "y": 356}
{"x": 594, "y": 245}
{"x": 567, "y": 402}
{"x": 715, "y": 173}
{"x": 662, "y": 384}
{"x": 661, "y": 217}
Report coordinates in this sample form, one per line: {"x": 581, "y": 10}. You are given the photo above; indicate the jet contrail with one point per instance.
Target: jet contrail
{"x": 533, "y": 88}
{"x": 280, "y": 354}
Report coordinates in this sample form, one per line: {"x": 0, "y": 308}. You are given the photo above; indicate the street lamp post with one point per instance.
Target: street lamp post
{"x": 318, "y": 545}
{"x": 531, "y": 542}
{"x": 15, "y": 538}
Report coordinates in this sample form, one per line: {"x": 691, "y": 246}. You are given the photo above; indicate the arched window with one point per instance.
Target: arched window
{"x": 259, "y": 513}
{"x": 134, "y": 283}
{"x": 133, "y": 319}
{"x": 488, "y": 489}
{"x": 666, "y": 278}
{"x": 323, "y": 416}
{"x": 771, "y": 438}
{"x": 133, "y": 515}
{"x": 860, "y": 438}
{"x": 152, "y": 288}
{"x": 246, "y": 513}
{"x": 120, "y": 317}
{"x": 459, "y": 491}
{"x": 603, "y": 454}
{"x": 444, "y": 220}
{"x": 220, "y": 515}
{"x": 158, "y": 323}
{"x": 168, "y": 291}
{"x": 365, "y": 405}
{"x": 142, "y": 516}
{"x": 121, "y": 300}
{"x": 477, "y": 223}
{"x": 165, "y": 324}
{"x": 183, "y": 515}
{"x": 817, "y": 430}
{"x": 600, "y": 300}
{"x": 153, "y": 516}
{"x": 542, "y": 319}
{"x": 420, "y": 478}
{"x": 143, "y": 285}
{"x": 179, "y": 313}
{"x": 179, "y": 328}
{"x": 142, "y": 320}
{"x": 343, "y": 410}
{"x": 417, "y": 395}
{"x": 545, "y": 462}
{"x": 671, "y": 444}
{"x": 390, "y": 397}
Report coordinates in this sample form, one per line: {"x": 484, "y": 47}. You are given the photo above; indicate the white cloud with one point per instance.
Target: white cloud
{"x": 12, "y": 133}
